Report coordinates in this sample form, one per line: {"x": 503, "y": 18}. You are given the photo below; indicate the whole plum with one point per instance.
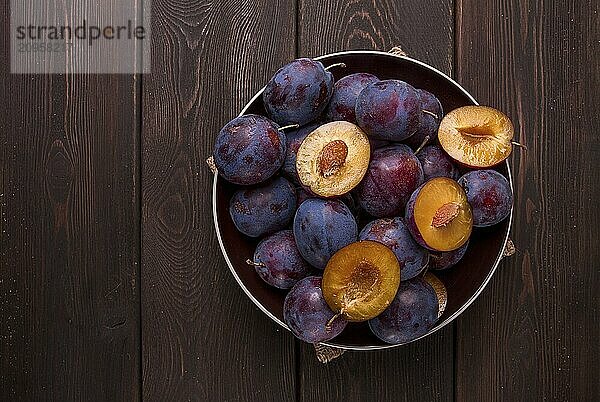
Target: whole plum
{"x": 249, "y": 150}
{"x": 294, "y": 139}
{"x": 440, "y": 260}
{"x": 436, "y": 163}
{"x": 394, "y": 173}
{"x": 394, "y": 234}
{"x": 345, "y": 91}
{"x": 412, "y": 313}
{"x": 489, "y": 195}
{"x": 322, "y": 227}
{"x": 278, "y": 262}
{"x": 307, "y": 314}
{"x": 298, "y": 92}
{"x": 430, "y": 118}
{"x": 264, "y": 209}
{"x": 389, "y": 110}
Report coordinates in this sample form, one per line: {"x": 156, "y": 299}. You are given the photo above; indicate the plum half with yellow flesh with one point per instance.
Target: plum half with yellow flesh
{"x": 476, "y": 136}
{"x": 333, "y": 159}
{"x": 360, "y": 280}
{"x": 439, "y": 216}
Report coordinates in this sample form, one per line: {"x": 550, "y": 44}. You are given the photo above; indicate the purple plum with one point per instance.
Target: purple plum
{"x": 394, "y": 234}
{"x": 489, "y": 194}
{"x": 394, "y": 173}
{"x": 412, "y": 313}
{"x": 264, "y": 209}
{"x": 278, "y": 262}
{"x": 389, "y": 110}
{"x": 440, "y": 260}
{"x": 294, "y": 139}
{"x": 298, "y": 92}
{"x": 322, "y": 227}
{"x": 345, "y": 91}
{"x": 249, "y": 150}
{"x": 437, "y": 163}
{"x": 430, "y": 118}
{"x": 307, "y": 314}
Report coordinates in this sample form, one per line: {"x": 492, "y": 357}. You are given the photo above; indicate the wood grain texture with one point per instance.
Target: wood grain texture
{"x": 422, "y": 371}
{"x": 203, "y": 339}
{"x": 533, "y": 334}
{"x": 423, "y": 29}
{"x": 69, "y": 219}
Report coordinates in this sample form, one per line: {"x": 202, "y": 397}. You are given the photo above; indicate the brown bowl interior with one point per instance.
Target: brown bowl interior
{"x": 463, "y": 282}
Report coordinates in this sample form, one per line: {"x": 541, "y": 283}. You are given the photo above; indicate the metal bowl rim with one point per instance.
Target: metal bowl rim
{"x": 366, "y": 347}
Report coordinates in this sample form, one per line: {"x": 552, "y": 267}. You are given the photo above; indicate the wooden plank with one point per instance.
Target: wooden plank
{"x": 422, "y": 371}
{"x": 533, "y": 335}
{"x": 423, "y": 29}
{"x": 69, "y": 298}
{"x": 202, "y": 338}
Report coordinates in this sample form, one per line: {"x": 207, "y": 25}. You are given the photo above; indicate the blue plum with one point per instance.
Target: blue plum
{"x": 436, "y": 163}
{"x": 430, "y": 118}
{"x": 298, "y": 92}
{"x": 294, "y": 138}
{"x": 440, "y": 260}
{"x": 489, "y": 195}
{"x": 394, "y": 173}
{"x": 278, "y": 262}
{"x": 389, "y": 110}
{"x": 345, "y": 91}
{"x": 412, "y": 313}
{"x": 394, "y": 234}
{"x": 264, "y": 209}
{"x": 322, "y": 227}
{"x": 307, "y": 314}
{"x": 249, "y": 150}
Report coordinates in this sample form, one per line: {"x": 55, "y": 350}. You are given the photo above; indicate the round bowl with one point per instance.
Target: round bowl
{"x": 464, "y": 282}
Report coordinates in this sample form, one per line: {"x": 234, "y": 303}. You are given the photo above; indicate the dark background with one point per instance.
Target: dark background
{"x": 112, "y": 285}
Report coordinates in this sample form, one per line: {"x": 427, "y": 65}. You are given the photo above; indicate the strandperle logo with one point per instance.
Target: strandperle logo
{"x": 89, "y": 33}
{"x": 83, "y": 37}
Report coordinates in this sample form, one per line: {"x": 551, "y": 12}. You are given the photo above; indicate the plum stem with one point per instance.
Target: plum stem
{"x": 288, "y": 127}
{"x": 341, "y": 65}
{"x": 425, "y": 141}
{"x": 519, "y": 145}
{"x": 256, "y": 264}
{"x": 332, "y": 319}
{"x": 435, "y": 116}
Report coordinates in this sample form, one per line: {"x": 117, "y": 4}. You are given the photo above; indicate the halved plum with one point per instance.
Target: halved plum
{"x": 360, "y": 280}
{"x": 333, "y": 159}
{"x": 439, "y": 216}
{"x": 476, "y": 136}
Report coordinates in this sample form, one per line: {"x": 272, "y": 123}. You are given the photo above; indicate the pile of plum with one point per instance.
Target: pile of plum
{"x": 355, "y": 189}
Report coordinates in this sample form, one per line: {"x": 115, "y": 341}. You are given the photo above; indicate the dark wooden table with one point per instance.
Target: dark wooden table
{"x": 112, "y": 285}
